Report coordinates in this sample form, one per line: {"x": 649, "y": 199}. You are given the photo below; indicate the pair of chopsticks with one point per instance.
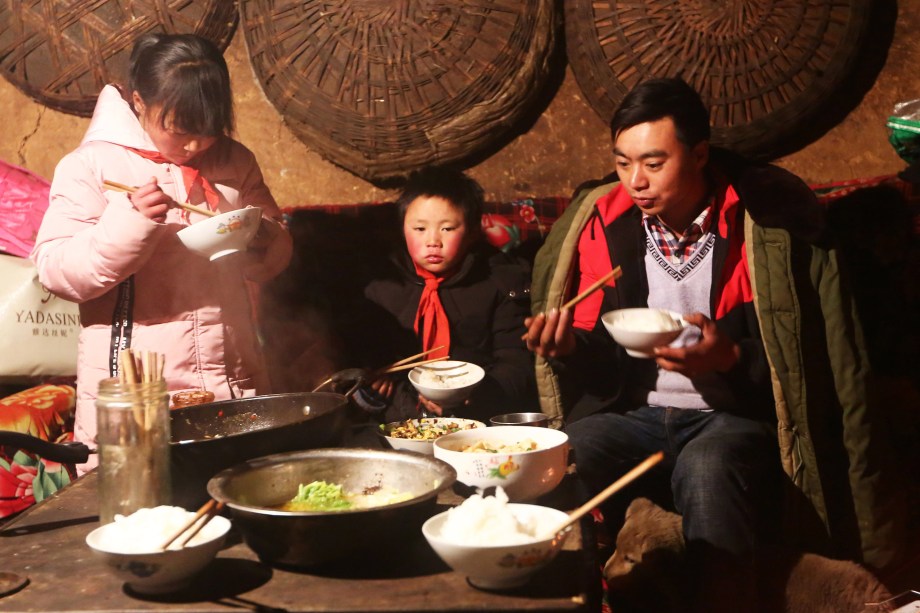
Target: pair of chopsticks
{"x": 614, "y": 274}
{"x": 121, "y": 187}
{"x": 609, "y": 491}
{"x": 408, "y": 363}
{"x": 208, "y": 510}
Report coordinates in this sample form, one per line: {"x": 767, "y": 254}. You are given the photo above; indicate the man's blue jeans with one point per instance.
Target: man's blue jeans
{"x": 722, "y": 470}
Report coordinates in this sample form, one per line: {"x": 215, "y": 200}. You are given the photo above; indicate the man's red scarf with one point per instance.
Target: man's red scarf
{"x": 435, "y": 327}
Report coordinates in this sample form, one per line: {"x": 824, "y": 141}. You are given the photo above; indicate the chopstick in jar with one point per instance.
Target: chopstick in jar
{"x": 121, "y": 187}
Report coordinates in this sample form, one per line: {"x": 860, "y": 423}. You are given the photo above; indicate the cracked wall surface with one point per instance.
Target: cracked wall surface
{"x": 566, "y": 145}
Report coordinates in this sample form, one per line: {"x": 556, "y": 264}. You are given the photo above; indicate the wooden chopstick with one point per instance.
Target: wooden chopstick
{"x": 413, "y": 357}
{"x": 412, "y": 365}
{"x": 610, "y": 490}
{"x": 208, "y": 517}
{"x": 121, "y": 187}
{"x": 616, "y": 273}
{"x": 210, "y": 508}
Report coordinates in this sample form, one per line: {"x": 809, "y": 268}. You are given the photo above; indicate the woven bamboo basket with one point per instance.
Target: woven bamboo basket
{"x": 381, "y": 88}
{"x": 768, "y": 69}
{"x": 62, "y": 52}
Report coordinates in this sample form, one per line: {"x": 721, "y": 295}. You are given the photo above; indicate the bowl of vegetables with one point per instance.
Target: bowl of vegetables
{"x": 418, "y": 435}
{"x": 322, "y": 506}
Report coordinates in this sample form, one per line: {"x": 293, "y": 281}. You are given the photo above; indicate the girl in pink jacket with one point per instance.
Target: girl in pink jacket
{"x": 117, "y": 254}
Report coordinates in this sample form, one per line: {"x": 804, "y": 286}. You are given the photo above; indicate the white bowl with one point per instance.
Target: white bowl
{"x": 456, "y": 381}
{"x": 630, "y": 328}
{"x": 524, "y": 475}
{"x": 499, "y": 566}
{"x": 432, "y": 427}
{"x": 222, "y": 234}
{"x": 160, "y": 571}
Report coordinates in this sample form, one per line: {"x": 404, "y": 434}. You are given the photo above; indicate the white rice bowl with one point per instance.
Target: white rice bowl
{"x": 497, "y": 545}
{"x": 131, "y": 547}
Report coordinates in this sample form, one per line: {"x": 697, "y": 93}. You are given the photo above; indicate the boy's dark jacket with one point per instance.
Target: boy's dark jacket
{"x": 486, "y": 302}
{"x": 832, "y": 436}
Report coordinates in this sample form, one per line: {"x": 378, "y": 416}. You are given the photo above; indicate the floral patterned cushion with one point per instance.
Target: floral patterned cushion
{"x": 46, "y": 412}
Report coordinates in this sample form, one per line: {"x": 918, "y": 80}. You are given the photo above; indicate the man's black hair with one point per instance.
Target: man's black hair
{"x": 656, "y": 99}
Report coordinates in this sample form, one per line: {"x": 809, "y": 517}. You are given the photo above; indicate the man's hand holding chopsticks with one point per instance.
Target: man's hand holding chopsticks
{"x": 151, "y": 201}
{"x": 550, "y": 335}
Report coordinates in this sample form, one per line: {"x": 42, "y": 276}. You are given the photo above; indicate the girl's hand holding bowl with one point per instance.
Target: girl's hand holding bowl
{"x": 269, "y": 251}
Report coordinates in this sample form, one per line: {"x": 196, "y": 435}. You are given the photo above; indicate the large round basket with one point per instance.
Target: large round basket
{"x": 381, "y": 88}
{"x": 61, "y": 53}
{"x": 768, "y": 69}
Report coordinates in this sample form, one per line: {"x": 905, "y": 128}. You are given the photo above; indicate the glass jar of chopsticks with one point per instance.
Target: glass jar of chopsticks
{"x": 133, "y": 441}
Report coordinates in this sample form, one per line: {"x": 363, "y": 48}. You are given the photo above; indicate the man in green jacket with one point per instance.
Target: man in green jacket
{"x": 774, "y": 346}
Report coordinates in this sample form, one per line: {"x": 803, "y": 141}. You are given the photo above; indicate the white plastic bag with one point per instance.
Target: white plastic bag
{"x": 38, "y": 330}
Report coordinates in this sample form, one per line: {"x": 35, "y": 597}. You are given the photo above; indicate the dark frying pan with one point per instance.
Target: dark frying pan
{"x": 208, "y": 438}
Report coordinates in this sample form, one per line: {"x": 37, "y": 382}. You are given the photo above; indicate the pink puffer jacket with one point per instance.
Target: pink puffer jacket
{"x": 194, "y": 311}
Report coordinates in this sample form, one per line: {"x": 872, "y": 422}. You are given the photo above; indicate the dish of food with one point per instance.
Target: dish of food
{"x": 640, "y": 330}
{"x": 491, "y": 521}
{"x": 447, "y": 379}
{"x": 145, "y": 530}
{"x": 650, "y": 320}
{"x": 483, "y": 446}
{"x": 191, "y": 397}
{"x": 323, "y": 496}
{"x": 427, "y": 428}
{"x": 449, "y": 382}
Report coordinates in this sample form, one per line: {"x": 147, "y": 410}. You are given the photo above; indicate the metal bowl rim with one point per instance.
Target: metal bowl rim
{"x": 278, "y": 458}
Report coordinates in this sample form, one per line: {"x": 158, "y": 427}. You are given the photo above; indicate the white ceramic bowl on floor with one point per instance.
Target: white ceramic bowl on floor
{"x": 499, "y": 566}
{"x": 157, "y": 572}
{"x": 524, "y": 475}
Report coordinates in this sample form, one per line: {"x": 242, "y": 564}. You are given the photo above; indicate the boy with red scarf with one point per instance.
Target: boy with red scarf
{"x": 448, "y": 288}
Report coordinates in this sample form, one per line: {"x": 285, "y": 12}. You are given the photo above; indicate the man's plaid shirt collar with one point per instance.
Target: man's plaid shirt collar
{"x": 678, "y": 249}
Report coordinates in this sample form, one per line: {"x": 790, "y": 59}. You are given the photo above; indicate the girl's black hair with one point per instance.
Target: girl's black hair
{"x": 186, "y": 78}
{"x": 656, "y": 99}
{"x": 453, "y": 186}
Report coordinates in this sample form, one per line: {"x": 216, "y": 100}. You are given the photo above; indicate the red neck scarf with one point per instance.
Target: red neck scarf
{"x": 436, "y": 329}
{"x": 190, "y": 176}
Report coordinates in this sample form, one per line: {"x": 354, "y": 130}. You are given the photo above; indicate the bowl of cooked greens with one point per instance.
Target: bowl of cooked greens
{"x": 418, "y": 434}
{"x": 324, "y": 506}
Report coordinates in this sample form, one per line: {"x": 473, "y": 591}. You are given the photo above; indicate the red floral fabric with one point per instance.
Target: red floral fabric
{"x": 46, "y": 412}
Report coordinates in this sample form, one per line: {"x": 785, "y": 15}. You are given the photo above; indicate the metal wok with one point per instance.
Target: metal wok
{"x": 208, "y": 438}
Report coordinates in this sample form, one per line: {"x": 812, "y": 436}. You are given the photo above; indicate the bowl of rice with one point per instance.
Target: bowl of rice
{"x": 131, "y": 546}
{"x": 448, "y": 382}
{"x": 497, "y": 545}
{"x": 418, "y": 435}
{"x": 527, "y": 461}
{"x": 640, "y": 330}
